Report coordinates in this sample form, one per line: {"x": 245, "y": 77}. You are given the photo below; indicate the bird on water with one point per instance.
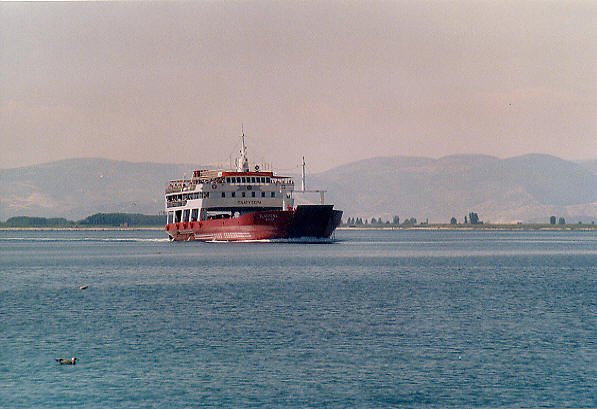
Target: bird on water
{"x": 64, "y": 361}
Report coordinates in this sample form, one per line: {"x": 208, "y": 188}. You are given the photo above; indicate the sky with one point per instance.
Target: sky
{"x": 334, "y": 81}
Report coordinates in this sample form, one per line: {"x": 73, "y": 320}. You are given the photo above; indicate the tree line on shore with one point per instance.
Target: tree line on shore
{"x": 471, "y": 218}
{"x": 95, "y": 220}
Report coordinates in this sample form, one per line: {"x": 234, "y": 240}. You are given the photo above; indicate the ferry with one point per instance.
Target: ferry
{"x": 245, "y": 205}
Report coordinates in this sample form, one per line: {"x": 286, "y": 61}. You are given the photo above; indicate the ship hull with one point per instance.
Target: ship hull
{"x": 317, "y": 221}
{"x": 311, "y": 221}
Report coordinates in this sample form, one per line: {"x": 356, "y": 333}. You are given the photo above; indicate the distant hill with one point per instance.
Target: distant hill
{"x": 589, "y": 164}
{"x": 527, "y": 188}
{"x": 77, "y": 188}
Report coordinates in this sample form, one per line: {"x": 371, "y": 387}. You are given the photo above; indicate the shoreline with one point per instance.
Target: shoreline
{"x": 484, "y": 227}
{"x": 80, "y": 228}
{"x": 431, "y": 227}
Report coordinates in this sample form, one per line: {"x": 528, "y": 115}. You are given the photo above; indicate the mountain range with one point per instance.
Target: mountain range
{"x": 77, "y": 188}
{"x": 528, "y": 188}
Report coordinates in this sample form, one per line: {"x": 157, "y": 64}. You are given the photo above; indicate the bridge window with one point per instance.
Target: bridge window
{"x": 244, "y": 180}
{"x": 194, "y": 215}
{"x": 232, "y": 194}
{"x": 223, "y": 194}
{"x": 227, "y": 180}
{"x": 268, "y": 180}
{"x": 253, "y": 179}
{"x": 262, "y": 194}
{"x": 273, "y": 194}
{"x": 252, "y": 194}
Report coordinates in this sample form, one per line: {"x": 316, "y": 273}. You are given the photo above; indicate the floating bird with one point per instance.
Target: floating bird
{"x": 83, "y": 287}
{"x": 63, "y": 361}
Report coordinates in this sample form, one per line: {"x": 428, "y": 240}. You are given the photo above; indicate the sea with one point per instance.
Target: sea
{"x": 375, "y": 319}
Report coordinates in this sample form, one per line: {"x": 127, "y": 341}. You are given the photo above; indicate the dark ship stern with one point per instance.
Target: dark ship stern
{"x": 318, "y": 221}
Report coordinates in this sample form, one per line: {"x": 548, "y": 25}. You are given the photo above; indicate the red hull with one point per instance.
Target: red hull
{"x": 265, "y": 225}
{"x": 316, "y": 221}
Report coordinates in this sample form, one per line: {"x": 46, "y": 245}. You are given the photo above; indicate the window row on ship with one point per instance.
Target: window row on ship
{"x": 192, "y": 215}
{"x": 189, "y": 196}
{"x": 181, "y": 200}
{"x": 248, "y": 179}
{"x": 179, "y": 216}
{"x": 177, "y": 186}
{"x": 254, "y": 180}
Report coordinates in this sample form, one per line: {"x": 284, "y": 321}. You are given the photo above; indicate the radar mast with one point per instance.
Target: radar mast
{"x": 242, "y": 163}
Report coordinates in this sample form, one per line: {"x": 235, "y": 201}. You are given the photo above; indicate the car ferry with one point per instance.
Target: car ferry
{"x": 244, "y": 205}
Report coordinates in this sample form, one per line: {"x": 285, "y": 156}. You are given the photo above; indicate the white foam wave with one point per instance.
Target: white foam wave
{"x": 97, "y": 239}
{"x": 301, "y": 240}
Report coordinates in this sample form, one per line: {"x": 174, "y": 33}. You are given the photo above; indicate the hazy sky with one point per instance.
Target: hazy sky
{"x": 336, "y": 81}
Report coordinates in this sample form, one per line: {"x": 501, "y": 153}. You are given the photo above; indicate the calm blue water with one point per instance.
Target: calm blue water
{"x": 377, "y": 319}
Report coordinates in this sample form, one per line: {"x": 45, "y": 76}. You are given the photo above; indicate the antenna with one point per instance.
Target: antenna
{"x": 304, "y": 190}
{"x": 303, "y": 176}
{"x": 242, "y": 164}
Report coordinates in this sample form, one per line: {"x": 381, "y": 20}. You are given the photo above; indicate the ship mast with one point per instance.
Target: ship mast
{"x": 242, "y": 163}
{"x": 303, "y": 176}
{"x": 304, "y": 190}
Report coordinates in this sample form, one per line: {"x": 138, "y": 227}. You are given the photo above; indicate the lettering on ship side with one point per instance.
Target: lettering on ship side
{"x": 269, "y": 217}
{"x": 249, "y": 202}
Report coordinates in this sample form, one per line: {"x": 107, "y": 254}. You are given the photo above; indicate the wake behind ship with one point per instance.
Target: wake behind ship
{"x": 243, "y": 205}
